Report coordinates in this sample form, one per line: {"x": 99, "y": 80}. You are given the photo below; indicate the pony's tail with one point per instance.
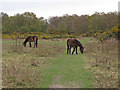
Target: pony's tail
{"x": 68, "y": 40}
{"x": 68, "y": 46}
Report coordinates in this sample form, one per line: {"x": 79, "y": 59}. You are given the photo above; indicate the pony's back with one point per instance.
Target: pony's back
{"x": 73, "y": 42}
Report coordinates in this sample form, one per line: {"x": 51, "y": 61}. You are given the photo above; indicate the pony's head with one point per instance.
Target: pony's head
{"x": 82, "y": 49}
{"x": 24, "y": 44}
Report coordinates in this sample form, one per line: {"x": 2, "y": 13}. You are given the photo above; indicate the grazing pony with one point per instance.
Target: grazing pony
{"x": 74, "y": 43}
{"x": 31, "y": 39}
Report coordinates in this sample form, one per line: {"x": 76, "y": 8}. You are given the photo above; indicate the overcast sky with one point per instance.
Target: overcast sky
{"x": 49, "y": 8}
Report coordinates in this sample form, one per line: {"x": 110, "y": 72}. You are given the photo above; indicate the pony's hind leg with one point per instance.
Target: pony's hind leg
{"x": 73, "y": 50}
{"x": 67, "y": 49}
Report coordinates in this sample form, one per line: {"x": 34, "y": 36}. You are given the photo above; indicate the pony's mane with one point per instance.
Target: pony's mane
{"x": 79, "y": 43}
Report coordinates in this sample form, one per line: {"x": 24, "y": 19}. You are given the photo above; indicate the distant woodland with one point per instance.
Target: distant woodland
{"x": 28, "y": 22}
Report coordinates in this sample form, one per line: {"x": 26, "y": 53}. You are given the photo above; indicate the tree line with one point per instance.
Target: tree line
{"x": 28, "y": 22}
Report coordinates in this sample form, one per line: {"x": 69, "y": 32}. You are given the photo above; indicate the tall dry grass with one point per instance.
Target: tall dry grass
{"x": 103, "y": 62}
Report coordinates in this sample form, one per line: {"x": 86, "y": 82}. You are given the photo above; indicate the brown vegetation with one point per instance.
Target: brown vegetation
{"x": 103, "y": 62}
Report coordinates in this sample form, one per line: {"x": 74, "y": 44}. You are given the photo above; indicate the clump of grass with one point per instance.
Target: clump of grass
{"x": 103, "y": 62}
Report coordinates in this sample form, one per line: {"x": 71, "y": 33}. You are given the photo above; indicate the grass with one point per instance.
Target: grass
{"x": 67, "y": 71}
{"x": 50, "y": 66}
{"x": 70, "y": 69}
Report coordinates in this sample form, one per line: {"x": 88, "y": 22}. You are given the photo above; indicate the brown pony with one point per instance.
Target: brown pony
{"x": 31, "y": 39}
{"x": 74, "y": 43}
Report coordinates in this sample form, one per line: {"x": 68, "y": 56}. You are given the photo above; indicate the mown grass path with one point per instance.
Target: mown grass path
{"x": 66, "y": 71}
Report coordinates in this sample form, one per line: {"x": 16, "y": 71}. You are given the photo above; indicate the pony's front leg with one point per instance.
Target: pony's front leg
{"x": 30, "y": 44}
{"x": 36, "y": 45}
{"x": 76, "y": 50}
{"x": 73, "y": 50}
{"x": 70, "y": 50}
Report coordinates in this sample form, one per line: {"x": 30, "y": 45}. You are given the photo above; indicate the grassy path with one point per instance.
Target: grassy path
{"x": 66, "y": 71}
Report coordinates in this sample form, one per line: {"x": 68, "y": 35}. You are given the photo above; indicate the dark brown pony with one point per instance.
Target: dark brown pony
{"x": 31, "y": 39}
{"x": 74, "y": 43}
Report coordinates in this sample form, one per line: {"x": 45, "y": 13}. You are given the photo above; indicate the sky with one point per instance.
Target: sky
{"x": 50, "y": 8}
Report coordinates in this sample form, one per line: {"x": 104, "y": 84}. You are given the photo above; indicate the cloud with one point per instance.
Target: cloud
{"x": 46, "y": 8}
